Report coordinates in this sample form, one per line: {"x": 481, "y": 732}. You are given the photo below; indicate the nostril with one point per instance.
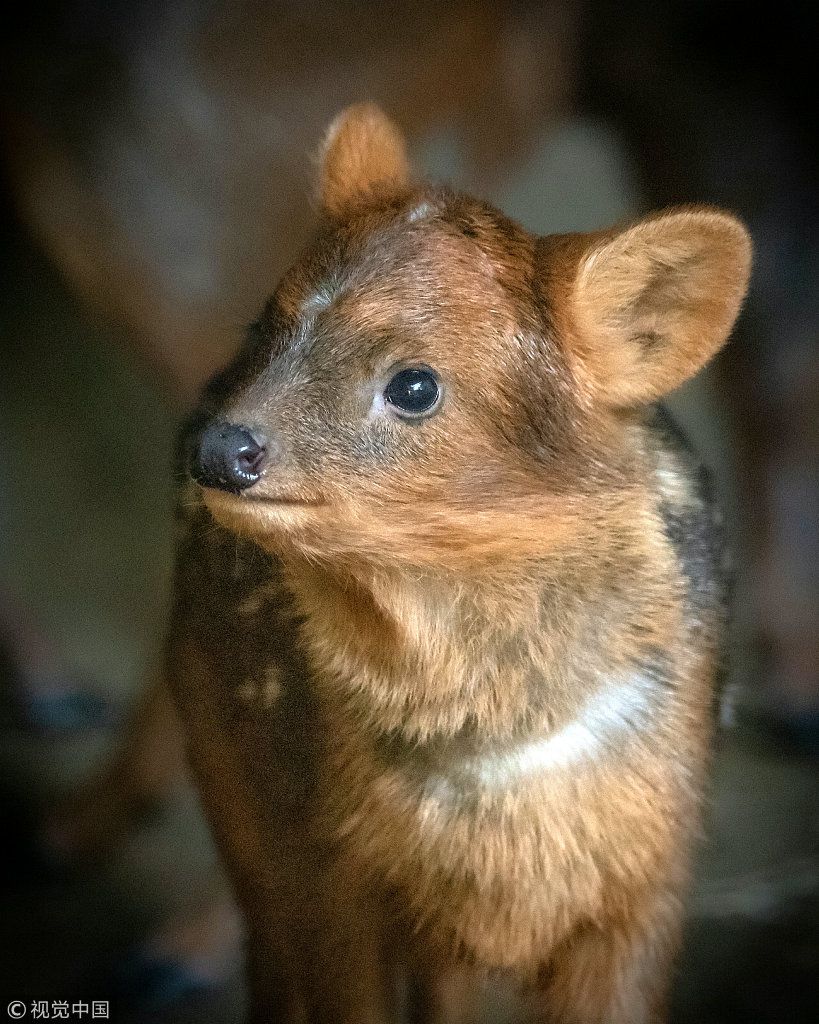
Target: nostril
{"x": 250, "y": 457}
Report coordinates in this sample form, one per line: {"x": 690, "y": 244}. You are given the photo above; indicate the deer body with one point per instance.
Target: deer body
{"x": 450, "y": 692}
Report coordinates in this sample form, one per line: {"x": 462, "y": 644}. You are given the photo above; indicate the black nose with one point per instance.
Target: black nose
{"x": 227, "y": 457}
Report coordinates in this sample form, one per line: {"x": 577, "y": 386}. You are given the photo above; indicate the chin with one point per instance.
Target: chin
{"x": 262, "y": 520}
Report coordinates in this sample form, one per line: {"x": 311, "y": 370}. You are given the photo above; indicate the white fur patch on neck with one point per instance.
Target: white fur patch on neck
{"x": 618, "y": 710}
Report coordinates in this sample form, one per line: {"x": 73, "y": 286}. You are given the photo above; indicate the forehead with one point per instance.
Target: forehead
{"x": 428, "y": 265}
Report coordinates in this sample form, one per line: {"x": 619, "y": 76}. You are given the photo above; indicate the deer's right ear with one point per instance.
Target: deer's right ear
{"x": 363, "y": 161}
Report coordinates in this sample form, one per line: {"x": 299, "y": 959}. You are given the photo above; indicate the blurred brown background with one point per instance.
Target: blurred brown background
{"x": 157, "y": 158}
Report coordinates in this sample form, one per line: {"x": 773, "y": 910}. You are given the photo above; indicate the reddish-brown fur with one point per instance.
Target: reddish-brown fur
{"x": 450, "y": 691}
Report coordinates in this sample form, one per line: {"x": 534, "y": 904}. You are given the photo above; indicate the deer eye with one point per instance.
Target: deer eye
{"x": 414, "y": 392}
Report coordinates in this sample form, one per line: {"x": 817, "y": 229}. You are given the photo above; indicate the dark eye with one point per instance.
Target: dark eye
{"x": 414, "y": 391}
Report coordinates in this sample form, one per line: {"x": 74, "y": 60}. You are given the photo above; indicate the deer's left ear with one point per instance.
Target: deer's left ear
{"x": 363, "y": 161}
{"x": 648, "y": 306}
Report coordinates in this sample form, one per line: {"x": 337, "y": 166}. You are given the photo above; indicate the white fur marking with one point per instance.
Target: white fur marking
{"x": 420, "y": 212}
{"x": 607, "y": 717}
{"x": 313, "y": 304}
{"x": 610, "y": 716}
{"x": 261, "y": 694}
{"x": 254, "y": 602}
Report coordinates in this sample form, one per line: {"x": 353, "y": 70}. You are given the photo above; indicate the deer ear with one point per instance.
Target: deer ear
{"x": 650, "y": 305}
{"x": 363, "y": 160}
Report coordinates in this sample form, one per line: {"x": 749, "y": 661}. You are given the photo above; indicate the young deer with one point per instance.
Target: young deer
{"x": 449, "y": 607}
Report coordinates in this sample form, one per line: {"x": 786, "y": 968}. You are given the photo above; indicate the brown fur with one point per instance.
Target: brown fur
{"x": 450, "y": 692}
{"x": 363, "y": 156}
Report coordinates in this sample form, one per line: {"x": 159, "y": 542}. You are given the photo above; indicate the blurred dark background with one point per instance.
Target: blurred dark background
{"x": 157, "y": 158}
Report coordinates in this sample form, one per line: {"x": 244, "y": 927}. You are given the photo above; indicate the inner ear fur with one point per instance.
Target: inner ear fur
{"x": 649, "y": 305}
{"x": 363, "y": 160}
